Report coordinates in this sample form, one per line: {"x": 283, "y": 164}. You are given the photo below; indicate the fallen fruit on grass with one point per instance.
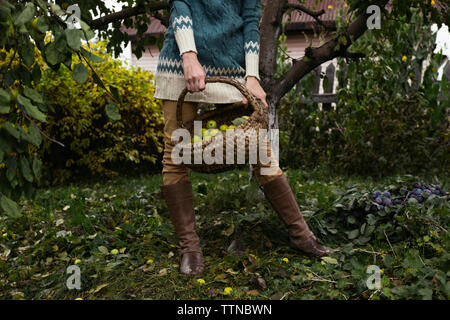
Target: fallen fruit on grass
{"x": 114, "y": 251}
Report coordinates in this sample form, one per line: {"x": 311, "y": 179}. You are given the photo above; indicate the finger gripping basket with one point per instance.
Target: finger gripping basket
{"x": 242, "y": 137}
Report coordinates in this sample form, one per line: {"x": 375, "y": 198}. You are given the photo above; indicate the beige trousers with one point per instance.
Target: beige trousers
{"x": 174, "y": 173}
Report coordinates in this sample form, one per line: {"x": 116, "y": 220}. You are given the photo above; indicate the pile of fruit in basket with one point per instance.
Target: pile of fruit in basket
{"x": 211, "y": 129}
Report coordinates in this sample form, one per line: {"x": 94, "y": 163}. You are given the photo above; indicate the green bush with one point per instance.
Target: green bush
{"x": 382, "y": 123}
{"x": 99, "y": 141}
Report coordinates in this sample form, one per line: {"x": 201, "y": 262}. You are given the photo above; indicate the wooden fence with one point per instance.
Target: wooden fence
{"x": 329, "y": 96}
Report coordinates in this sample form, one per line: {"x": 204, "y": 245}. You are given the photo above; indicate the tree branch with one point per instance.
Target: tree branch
{"x": 314, "y": 57}
{"x": 164, "y": 20}
{"x": 314, "y": 14}
{"x": 131, "y": 12}
{"x": 354, "y": 55}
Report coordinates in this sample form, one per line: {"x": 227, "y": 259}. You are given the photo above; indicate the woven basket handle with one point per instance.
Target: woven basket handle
{"x": 251, "y": 98}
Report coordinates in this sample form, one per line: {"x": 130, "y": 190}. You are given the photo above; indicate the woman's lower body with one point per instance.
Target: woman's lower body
{"x": 177, "y": 192}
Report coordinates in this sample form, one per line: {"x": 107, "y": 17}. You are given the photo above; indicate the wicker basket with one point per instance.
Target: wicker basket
{"x": 258, "y": 119}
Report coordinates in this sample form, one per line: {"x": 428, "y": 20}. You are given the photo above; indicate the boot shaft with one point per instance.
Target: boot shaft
{"x": 282, "y": 199}
{"x": 179, "y": 201}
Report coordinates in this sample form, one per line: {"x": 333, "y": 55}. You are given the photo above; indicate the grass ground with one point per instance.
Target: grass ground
{"x": 119, "y": 233}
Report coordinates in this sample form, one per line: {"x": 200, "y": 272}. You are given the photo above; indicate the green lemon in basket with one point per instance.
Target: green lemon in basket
{"x": 196, "y": 139}
{"x": 223, "y": 127}
{"x": 245, "y": 117}
{"x": 204, "y": 130}
{"x": 206, "y": 137}
{"x": 231, "y": 127}
{"x": 211, "y": 124}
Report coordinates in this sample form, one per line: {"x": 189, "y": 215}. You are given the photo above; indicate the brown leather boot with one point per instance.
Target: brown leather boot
{"x": 282, "y": 199}
{"x": 179, "y": 200}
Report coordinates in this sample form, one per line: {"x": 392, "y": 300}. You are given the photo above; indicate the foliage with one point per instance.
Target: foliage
{"x": 24, "y": 26}
{"x": 98, "y": 140}
{"x": 381, "y": 118}
{"x": 84, "y": 224}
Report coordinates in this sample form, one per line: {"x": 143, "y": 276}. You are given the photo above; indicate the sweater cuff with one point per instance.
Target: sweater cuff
{"x": 184, "y": 34}
{"x": 251, "y": 59}
{"x": 252, "y": 65}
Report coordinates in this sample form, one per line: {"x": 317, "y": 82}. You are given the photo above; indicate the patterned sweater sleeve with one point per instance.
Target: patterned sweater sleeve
{"x": 251, "y": 13}
{"x": 181, "y": 22}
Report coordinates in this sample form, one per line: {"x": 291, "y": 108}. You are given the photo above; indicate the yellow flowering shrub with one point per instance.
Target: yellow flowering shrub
{"x": 77, "y": 117}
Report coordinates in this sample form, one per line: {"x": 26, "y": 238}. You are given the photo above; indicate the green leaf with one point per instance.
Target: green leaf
{"x": 4, "y": 109}
{"x": 61, "y": 43}
{"x": 57, "y": 9}
{"x": 51, "y": 54}
{"x": 353, "y": 234}
{"x": 89, "y": 55}
{"x": 5, "y": 98}
{"x": 103, "y": 249}
{"x": 37, "y": 165}
{"x": 87, "y": 32}
{"x": 26, "y": 50}
{"x": 4, "y": 146}
{"x": 11, "y": 130}
{"x": 42, "y": 25}
{"x": 26, "y": 170}
{"x": 11, "y": 168}
{"x": 115, "y": 93}
{"x": 34, "y": 136}
{"x": 10, "y": 207}
{"x": 330, "y": 260}
{"x": 36, "y": 74}
{"x": 426, "y": 293}
{"x": 30, "y": 109}
{"x": 112, "y": 111}
{"x": 33, "y": 95}
{"x": 73, "y": 39}
{"x": 26, "y": 15}
{"x": 80, "y": 73}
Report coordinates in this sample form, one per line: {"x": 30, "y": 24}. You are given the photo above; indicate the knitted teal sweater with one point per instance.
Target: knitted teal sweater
{"x": 225, "y": 36}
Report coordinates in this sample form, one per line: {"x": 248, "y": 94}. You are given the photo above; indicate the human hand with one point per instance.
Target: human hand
{"x": 255, "y": 88}
{"x": 193, "y": 72}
